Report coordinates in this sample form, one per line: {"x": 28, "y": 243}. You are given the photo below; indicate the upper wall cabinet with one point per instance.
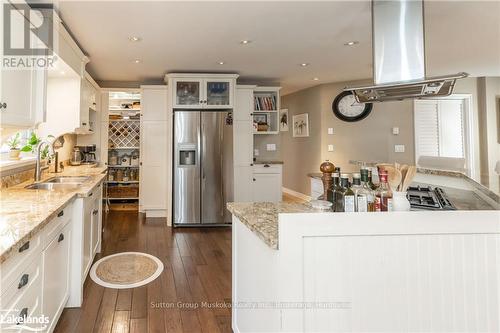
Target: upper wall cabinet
{"x": 22, "y": 89}
{"x": 202, "y": 91}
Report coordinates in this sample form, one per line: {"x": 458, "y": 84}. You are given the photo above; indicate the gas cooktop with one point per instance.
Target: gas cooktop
{"x": 429, "y": 198}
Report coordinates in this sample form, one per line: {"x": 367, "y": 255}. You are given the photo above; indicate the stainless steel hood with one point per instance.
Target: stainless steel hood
{"x": 399, "y": 55}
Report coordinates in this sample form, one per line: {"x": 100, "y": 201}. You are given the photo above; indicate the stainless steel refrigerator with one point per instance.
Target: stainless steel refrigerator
{"x": 203, "y": 167}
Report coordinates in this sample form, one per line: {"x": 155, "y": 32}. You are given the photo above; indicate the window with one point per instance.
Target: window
{"x": 441, "y": 134}
{"x": 25, "y": 135}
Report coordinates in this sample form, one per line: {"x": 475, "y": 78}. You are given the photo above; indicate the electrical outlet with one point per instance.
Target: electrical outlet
{"x": 330, "y": 147}
{"x": 271, "y": 147}
{"x": 395, "y": 130}
{"x": 256, "y": 152}
{"x": 330, "y": 130}
{"x": 399, "y": 148}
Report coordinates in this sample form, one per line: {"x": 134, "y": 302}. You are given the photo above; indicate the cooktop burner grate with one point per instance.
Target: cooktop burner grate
{"x": 426, "y": 197}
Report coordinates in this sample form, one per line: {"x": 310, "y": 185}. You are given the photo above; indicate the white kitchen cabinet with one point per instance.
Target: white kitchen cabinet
{"x": 88, "y": 118}
{"x": 85, "y": 240}
{"x": 202, "y": 91}
{"x": 267, "y": 183}
{"x": 155, "y": 155}
{"x": 242, "y": 143}
{"x": 243, "y": 184}
{"x": 56, "y": 273}
{"x": 95, "y": 229}
{"x": 22, "y": 90}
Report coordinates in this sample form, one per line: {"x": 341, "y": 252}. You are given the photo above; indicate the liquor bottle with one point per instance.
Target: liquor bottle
{"x": 365, "y": 199}
{"x": 331, "y": 191}
{"x": 347, "y": 194}
{"x": 370, "y": 183}
{"x": 356, "y": 188}
{"x": 383, "y": 195}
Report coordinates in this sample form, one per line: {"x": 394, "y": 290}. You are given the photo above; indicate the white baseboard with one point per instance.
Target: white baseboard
{"x": 296, "y": 194}
{"x": 156, "y": 212}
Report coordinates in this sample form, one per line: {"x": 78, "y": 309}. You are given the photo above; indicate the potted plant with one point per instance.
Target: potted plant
{"x": 33, "y": 141}
{"x": 14, "y": 143}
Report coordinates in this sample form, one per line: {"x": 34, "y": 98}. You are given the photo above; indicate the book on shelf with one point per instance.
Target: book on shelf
{"x": 265, "y": 103}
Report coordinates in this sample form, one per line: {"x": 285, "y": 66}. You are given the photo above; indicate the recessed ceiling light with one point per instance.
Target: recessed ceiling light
{"x": 351, "y": 43}
{"x": 245, "y": 41}
{"x": 134, "y": 38}
{"x": 137, "y": 61}
{"x": 221, "y": 62}
{"x": 315, "y": 78}
{"x": 63, "y": 72}
{"x": 304, "y": 64}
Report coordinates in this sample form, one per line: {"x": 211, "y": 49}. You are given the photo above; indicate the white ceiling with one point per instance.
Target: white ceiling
{"x": 195, "y": 36}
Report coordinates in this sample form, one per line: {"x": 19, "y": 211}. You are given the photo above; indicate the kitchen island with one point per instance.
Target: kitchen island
{"x": 297, "y": 269}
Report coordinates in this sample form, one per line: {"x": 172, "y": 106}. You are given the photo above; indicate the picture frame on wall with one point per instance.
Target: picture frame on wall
{"x": 300, "y": 124}
{"x": 284, "y": 120}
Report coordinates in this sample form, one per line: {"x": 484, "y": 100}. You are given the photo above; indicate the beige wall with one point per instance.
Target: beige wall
{"x": 370, "y": 139}
{"x": 301, "y": 155}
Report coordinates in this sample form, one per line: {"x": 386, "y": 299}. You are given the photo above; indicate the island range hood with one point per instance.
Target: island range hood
{"x": 399, "y": 56}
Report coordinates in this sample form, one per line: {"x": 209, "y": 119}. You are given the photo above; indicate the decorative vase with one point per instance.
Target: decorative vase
{"x": 400, "y": 202}
{"x": 14, "y": 154}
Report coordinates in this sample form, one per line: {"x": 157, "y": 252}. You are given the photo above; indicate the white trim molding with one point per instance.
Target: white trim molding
{"x": 296, "y": 194}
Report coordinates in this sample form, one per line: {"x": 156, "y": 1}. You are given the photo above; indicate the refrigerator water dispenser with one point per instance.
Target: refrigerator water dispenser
{"x": 187, "y": 155}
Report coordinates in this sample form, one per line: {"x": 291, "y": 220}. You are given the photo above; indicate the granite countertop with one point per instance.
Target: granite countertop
{"x": 262, "y": 217}
{"x": 24, "y": 212}
{"x": 268, "y": 162}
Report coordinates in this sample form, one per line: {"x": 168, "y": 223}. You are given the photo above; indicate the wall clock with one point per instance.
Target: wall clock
{"x": 346, "y": 108}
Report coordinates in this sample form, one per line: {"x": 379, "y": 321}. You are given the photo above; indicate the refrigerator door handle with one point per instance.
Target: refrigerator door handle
{"x": 221, "y": 142}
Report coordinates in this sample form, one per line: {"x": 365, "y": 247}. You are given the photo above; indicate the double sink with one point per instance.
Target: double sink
{"x": 59, "y": 183}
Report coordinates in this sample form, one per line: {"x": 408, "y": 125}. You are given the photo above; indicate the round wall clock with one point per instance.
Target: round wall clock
{"x": 346, "y": 108}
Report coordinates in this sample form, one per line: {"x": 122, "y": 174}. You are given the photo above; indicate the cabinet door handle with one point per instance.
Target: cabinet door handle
{"x": 267, "y": 166}
{"x": 251, "y": 164}
{"x": 22, "y": 316}
{"x": 61, "y": 213}
{"x": 254, "y": 179}
{"x": 84, "y": 124}
{"x": 24, "y": 281}
{"x": 91, "y": 193}
{"x": 3, "y": 105}
{"x": 95, "y": 212}
{"x": 61, "y": 238}
{"x": 24, "y": 247}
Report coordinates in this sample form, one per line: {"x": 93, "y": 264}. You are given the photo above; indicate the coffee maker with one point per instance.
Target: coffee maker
{"x": 88, "y": 154}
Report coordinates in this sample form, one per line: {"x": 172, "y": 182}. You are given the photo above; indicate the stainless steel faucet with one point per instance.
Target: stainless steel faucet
{"x": 38, "y": 167}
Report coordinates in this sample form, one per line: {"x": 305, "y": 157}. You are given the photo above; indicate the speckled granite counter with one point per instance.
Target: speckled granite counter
{"x": 24, "y": 212}
{"x": 262, "y": 217}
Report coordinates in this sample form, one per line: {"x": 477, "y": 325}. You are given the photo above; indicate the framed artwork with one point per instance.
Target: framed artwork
{"x": 300, "y": 125}
{"x": 260, "y": 118}
{"x": 284, "y": 120}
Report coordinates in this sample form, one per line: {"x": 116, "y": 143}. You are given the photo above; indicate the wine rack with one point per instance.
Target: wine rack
{"x": 124, "y": 134}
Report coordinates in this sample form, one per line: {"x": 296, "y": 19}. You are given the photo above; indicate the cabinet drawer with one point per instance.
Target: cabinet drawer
{"x": 19, "y": 260}
{"x": 21, "y": 282}
{"x": 27, "y": 303}
{"x": 56, "y": 224}
{"x": 267, "y": 168}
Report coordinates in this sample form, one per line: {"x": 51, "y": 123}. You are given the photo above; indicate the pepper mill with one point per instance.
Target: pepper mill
{"x": 327, "y": 168}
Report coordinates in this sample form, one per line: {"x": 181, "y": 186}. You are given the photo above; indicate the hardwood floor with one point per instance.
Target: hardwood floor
{"x": 193, "y": 293}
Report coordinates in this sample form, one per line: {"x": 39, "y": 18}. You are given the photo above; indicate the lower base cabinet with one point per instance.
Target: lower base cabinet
{"x": 56, "y": 268}
{"x": 267, "y": 183}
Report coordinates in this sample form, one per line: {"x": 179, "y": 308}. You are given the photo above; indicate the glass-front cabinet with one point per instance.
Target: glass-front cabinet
{"x": 215, "y": 91}
{"x": 188, "y": 93}
{"x": 218, "y": 93}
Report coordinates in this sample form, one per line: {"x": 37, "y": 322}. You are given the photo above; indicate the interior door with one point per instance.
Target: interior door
{"x": 187, "y": 167}
{"x": 212, "y": 167}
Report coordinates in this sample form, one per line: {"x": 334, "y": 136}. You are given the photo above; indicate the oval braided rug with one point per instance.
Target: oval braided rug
{"x": 126, "y": 270}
